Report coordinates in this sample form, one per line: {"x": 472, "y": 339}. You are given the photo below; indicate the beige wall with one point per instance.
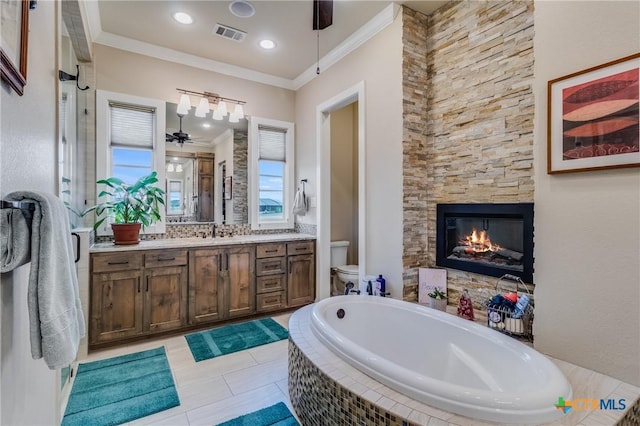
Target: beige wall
{"x": 28, "y": 389}
{"x": 587, "y": 244}
{"x": 344, "y": 178}
{"x": 126, "y": 72}
{"x": 378, "y": 63}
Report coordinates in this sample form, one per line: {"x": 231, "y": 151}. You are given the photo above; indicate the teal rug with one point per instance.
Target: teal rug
{"x": 235, "y": 337}
{"x": 276, "y": 415}
{"x": 117, "y": 390}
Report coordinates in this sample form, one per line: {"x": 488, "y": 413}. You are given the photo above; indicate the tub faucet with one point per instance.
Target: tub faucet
{"x": 348, "y": 289}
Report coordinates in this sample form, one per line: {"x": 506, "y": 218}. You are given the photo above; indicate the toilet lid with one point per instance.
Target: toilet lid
{"x": 348, "y": 269}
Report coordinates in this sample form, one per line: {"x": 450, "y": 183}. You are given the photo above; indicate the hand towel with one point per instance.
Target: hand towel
{"x": 55, "y": 313}
{"x": 300, "y": 203}
{"x": 15, "y": 240}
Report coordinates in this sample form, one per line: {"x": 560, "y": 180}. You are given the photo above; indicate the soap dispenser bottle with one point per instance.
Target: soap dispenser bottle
{"x": 380, "y": 286}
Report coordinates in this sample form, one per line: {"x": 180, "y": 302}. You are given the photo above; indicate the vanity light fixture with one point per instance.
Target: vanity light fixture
{"x": 179, "y": 168}
{"x": 170, "y": 167}
{"x": 206, "y": 98}
{"x": 183, "y": 18}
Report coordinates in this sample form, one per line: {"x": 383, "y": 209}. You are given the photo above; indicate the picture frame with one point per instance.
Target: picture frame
{"x": 228, "y": 182}
{"x": 593, "y": 118}
{"x": 14, "y": 43}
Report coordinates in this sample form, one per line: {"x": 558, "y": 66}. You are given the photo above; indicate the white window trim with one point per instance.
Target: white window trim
{"x": 103, "y": 157}
{"x": 289, "y": 174}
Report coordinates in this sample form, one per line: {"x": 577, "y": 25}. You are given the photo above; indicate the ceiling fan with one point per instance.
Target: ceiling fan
{"x": 179, "y": 136}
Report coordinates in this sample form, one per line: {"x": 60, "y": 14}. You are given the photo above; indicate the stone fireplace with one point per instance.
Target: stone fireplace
{"x": 488, "y": 239}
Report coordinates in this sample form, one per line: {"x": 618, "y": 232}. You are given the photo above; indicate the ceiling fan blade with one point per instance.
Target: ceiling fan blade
{"x": 322, "y": 14}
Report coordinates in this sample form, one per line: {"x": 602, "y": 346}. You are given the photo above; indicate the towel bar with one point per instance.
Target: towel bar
{"x": 27, "y": 207}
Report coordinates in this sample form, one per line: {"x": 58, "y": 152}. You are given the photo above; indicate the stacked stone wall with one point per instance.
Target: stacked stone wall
{"x": 479, "y": 116}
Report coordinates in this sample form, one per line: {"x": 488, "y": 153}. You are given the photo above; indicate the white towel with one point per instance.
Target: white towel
{"x": 300, "y": 203}
{"x": 15, "y": 240}
{"x": 55, "y": 313}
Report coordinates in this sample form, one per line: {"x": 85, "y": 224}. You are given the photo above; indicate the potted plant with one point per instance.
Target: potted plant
{"x": 131, "y": 207}
{"x": 438, "y": 299}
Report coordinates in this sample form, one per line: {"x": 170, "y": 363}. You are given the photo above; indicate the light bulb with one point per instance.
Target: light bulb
{"x": 184, "y": 105}
{"x": 203, "y": 108}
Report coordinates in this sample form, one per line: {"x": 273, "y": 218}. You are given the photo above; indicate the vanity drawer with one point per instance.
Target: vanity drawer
{"x": 270, "y": 283}
{"x": 270, "y": 301}
{"x": 116, "y": 262}
{"x": 271, "y": 250}
{"x": 303, "y": 247}
{"x": 165, "y": 258}
{"x": 270, "y": 266}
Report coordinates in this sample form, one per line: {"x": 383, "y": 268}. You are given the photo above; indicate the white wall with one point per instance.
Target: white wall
{"x": 587, "y": 225}
{"x": 344, "y": 179}
{"x": 378, "y": 63}
{"x": 28, "y": 389}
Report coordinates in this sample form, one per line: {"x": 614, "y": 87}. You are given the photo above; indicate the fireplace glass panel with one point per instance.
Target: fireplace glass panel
{"x": 490, "y": 241}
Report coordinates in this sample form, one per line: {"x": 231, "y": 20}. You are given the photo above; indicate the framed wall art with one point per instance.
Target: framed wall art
{"x": 593, "y": 119}
{"x": 14, "y": 43}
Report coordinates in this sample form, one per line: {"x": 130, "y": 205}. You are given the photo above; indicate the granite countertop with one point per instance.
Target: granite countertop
{"x": 201, "y": 242}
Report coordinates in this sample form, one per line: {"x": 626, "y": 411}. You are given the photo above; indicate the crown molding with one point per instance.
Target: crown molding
{"x": 359, "y": 37}
{"x": 355, "y": 40}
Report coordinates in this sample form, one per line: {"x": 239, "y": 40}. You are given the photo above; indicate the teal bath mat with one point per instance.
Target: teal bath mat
{"x": 235, "y": 337}
{"x": 117, "y": 390}
{"x": 276, "y": 415}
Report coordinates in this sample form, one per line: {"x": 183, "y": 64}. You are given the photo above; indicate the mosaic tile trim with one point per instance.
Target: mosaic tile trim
{"x": 632, "y": 416}
{"x": 306, "y": 228}
{"x": 189, "y": 230}
{"x": 319, "y": 400}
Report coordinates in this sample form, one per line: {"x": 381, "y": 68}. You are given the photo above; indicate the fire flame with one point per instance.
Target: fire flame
{"x": 480, "y": 242}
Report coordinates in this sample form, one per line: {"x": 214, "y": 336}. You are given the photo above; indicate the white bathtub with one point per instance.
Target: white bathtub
{"x": 442, "y": 360}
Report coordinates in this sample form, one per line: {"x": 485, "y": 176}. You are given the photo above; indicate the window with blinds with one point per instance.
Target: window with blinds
{"x": 272, "y": 159}
{"x": 271, "y": 174}
{"x": 131, "y": 141}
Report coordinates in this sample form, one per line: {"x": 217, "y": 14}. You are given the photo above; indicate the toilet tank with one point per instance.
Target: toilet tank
{"x": 339, "y": 253}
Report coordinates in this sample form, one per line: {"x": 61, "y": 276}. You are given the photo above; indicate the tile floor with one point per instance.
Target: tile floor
{"x": 217, "y": 389}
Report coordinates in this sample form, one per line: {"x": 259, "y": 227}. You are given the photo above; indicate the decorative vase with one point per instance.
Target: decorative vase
{"x": 439, "y": 304}
{"x": 126, "y": 234}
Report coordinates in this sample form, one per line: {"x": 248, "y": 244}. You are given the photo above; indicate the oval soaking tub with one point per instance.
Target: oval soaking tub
{"x": 441, "y": 360}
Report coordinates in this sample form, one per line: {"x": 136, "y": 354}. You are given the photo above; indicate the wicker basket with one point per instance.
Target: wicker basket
{"x": 505, "y": 320}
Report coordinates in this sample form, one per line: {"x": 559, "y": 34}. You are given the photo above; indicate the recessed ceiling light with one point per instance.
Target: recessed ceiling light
{"x": 267, "y": 44}
{"x": 183, "y": 18}
{"x": 242, "y": 9}
{"x": 206, "y": 125}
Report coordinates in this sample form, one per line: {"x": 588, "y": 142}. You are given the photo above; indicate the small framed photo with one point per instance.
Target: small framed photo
{"x": 593, "y": 119}
{"x": 14, "y": 34}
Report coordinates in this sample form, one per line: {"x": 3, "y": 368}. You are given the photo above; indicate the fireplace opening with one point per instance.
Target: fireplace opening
{"x": 489, "y": 239}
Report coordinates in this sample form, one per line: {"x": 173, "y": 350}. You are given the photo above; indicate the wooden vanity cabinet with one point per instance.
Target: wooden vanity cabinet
{"x": 271, "y": 269}
{"x": 239, "y": 281}
{"x": 134, "y": 293}
{"x": 301, "y": 276}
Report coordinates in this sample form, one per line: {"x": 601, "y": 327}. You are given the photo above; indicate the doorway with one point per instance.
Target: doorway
{"x": 354, "y": 95}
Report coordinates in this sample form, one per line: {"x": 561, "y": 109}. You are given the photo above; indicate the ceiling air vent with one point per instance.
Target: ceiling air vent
{"x": 228, "y": 32}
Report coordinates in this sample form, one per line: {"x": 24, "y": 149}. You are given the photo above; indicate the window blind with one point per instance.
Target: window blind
{"x": 272, "y": 143}
{"x": 131, "y": 125}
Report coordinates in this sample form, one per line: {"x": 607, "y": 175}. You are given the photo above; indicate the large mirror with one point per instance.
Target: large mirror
{"x": 206, "y": 176}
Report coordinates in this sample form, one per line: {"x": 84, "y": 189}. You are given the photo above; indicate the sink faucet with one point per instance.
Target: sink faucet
{"x": 348, "y": 289}
{"x": 213, "y": 230}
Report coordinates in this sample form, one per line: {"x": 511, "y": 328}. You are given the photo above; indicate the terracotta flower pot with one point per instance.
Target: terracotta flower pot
{"x": 126, "y": 234}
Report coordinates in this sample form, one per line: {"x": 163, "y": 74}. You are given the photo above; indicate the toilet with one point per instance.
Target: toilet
{"x": 344, "y": 273}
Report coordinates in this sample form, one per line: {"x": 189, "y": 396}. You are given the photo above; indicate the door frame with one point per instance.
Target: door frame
{"x": 355, "y": 93}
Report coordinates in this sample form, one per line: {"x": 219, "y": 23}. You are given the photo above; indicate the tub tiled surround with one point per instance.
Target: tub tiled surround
{"x": 479, "y": 138}
{"x": 324, "y": 389}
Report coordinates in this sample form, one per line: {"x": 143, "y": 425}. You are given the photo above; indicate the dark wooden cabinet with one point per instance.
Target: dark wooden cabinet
{"x": 301, "y": 276}
{"x": 206, "y": 294}
{"x": 116, "y": 305}
{"x": 205, "y": 186}
{"x": 271, "y": 269}
{"x": 239, "y": 281}
{"x": 141, "y": 293}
